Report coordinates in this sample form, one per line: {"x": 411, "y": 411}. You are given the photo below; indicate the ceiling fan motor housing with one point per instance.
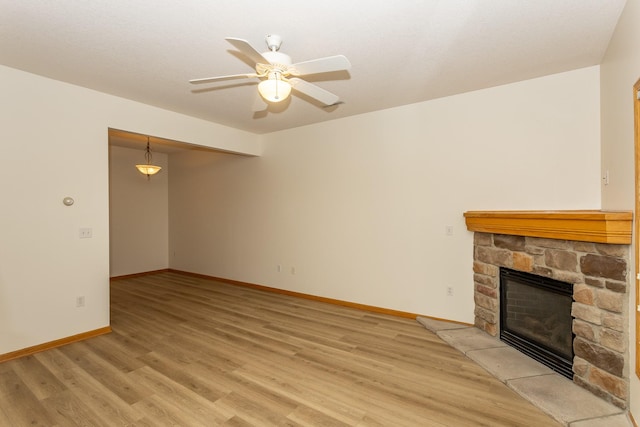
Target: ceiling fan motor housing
{"x": 277, "y": 58}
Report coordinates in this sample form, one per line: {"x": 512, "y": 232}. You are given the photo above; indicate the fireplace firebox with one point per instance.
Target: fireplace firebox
{"x": 535, "y": 318}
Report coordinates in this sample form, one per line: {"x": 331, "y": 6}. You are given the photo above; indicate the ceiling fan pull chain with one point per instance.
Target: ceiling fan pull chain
{"x": 277, "y": 75}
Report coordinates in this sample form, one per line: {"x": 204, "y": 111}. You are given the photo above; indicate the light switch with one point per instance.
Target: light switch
{"x": 86, "y": 233}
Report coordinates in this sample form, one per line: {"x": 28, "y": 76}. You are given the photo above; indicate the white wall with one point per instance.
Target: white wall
{"x": 138, "y": 213}
{"x": 620, "y": 70}
{"x": 53, "y": 143}
{"x": 358, "y": 206}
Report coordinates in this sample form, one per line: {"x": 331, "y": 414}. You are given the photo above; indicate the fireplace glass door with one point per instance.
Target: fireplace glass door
{"x": 535, "y": 318}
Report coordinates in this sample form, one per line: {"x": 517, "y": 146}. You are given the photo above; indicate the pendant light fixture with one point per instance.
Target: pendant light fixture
{"x": 148, "y": 169}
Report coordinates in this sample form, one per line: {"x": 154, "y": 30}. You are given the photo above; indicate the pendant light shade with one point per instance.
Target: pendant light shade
{"x": 148, "y": 168}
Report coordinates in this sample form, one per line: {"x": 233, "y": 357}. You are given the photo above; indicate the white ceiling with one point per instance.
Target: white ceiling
{"x": 401, "y": 52}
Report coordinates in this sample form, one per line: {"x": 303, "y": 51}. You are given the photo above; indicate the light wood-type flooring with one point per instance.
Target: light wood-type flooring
{"x": 188, "y": 351}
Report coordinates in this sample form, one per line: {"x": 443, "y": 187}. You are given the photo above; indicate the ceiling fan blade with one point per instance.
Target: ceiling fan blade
{"x": 244, "y": 47}
{"x": 313, "y": 91}
{"x": 220, "y": 78}
{"x": 320, "y": 65}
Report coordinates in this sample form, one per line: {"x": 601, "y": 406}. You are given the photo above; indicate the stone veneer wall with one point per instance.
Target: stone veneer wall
{"x": 598, "y": 273}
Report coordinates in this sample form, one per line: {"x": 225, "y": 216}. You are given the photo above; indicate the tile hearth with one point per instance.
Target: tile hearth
{"x": 557, "y": 396}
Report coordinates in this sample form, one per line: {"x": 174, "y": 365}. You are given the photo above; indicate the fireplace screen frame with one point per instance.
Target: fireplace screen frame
{"x": 536, "y": 350}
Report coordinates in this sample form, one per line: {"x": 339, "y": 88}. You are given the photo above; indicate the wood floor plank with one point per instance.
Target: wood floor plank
{"x": 112, "y": 377}
{"x": 174, "y": 403}
{"x": 190, "y": 351}
{"x": 68, "y": 409}
{"x": 254, "y": 412}
{"x": 40, "y": 381}
{"x": 318, "y": 397}
{"x": 306, "y": 416}
{"x": 188, "y": 376}
{"x": 18, "y": 405}
{"x": 87, "y": 388}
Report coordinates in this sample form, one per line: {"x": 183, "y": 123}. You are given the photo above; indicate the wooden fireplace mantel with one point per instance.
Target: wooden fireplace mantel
{"x": 597, "y": 226}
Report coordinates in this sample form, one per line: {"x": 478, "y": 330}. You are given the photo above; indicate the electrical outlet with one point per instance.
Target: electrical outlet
{"x": 448, "y": 230}
{"x": 279, "y": 268}
{"x": 293, "y": 270}
{"x": 80, "y": 301}
{"x": 449, "y": 291}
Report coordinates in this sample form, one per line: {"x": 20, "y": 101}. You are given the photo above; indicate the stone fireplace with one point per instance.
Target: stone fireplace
{"x": 588, "y": 249}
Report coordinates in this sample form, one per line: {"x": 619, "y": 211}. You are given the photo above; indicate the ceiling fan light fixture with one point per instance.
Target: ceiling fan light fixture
{"x": 274, "y": 89}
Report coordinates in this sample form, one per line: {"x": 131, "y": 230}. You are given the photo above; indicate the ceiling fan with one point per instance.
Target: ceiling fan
{"x": 278, "y": 75}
